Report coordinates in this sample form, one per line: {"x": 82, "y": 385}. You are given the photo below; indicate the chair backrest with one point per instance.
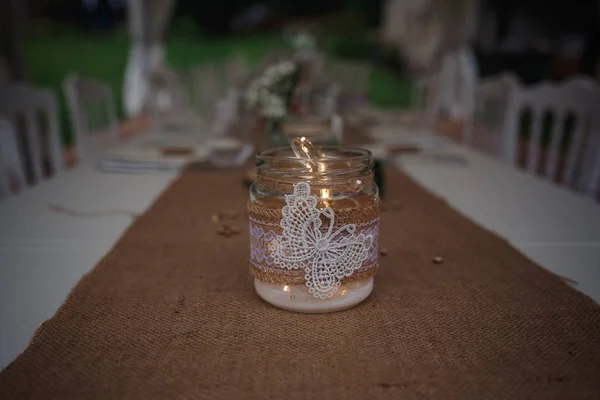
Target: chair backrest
{"x": 329, "y": 101}
{"x": 354, "y": 76}
{"x": 236, "y": 69}
{"x": 227, "y": 111}
{"x": 485, "y": 128}
{"x": 422, "y": 102}
{"x": 581, "y": 82}
{"x": 12, "y": 174}
{"x": 170, "y": 92}
{"x": 563, "y": 137}
{"x": 588, "y": 88}
{"x": 93, "y": 112}
{"x": 205, "y": 88}
{"x": 35, "y": 111}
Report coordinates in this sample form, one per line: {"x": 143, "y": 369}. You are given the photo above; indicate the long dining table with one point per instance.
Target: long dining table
{"x": 54, "y": 233}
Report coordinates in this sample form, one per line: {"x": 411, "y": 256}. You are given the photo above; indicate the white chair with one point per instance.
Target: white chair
{"x": 206, "y": 88}
{"x": 355, "y": 78}
{"x": 578, "y": 165}
{"x": 581, "y": 82}
{"x": 170, "y": 104}
{"x": 328, "y": 103}
{"x": 236, "y": 69}
{"x": 36, "y": 111}
{"x": 227, "y": 111}
{"x": 93, "y": 112}
{"x": 422, "y": 100}
{"x": 485, "y": 128}
{"x": 12, "y": 174}
{"x": 590, "y": 164}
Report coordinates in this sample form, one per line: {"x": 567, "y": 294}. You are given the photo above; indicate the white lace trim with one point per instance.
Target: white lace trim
{"x": 326, "y": 256}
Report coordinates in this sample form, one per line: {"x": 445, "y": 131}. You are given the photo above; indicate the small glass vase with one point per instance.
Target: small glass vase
{"x": 314, "y": 234}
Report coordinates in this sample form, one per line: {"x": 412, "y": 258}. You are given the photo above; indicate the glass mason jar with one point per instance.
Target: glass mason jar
{"x": 314, "y": 229}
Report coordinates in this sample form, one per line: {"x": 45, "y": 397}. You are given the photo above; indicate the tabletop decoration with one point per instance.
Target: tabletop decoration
{"x": 314, "y": 223}
{"x": 271, "y": 93}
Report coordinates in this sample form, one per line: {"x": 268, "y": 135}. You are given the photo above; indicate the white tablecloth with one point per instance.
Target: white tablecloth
{"x": 43, "y": 253}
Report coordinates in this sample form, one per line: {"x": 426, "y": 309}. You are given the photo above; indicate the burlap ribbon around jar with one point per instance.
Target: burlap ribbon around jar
{"x": 266, "y": 231}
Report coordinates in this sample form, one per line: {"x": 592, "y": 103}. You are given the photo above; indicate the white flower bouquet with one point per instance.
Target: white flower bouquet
{"x": 271, "y": 91}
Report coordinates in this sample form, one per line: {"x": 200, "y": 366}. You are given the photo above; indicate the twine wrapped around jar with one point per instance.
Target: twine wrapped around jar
{"x": 265, "y": 229}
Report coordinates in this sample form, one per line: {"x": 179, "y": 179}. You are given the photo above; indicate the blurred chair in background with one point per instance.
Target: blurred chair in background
{"x": 355, "y": 78}
{"x": 34, "y": 114}
{"x": 328, "y": 102}
{"x": 93, "y": 113}
{"x": 12, "y": 175}
{"x": 421, "y": 112}
{"x": 170, "y": 105}
{"x": 236, "y": 70}
{"x": 205, "y": 88}
{"x": 485, "y": 130}
{"x": 563, "y": 143}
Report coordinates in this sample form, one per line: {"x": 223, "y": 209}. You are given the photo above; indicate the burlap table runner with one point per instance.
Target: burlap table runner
{"x": 171, "y": 313}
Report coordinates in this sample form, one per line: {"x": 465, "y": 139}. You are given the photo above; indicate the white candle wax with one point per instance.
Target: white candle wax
{"x": 297, "y": 298}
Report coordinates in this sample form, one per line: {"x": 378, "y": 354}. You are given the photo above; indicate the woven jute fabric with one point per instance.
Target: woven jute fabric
{"x": 171, "y": 313}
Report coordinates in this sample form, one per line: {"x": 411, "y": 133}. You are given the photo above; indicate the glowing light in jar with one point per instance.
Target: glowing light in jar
{"x": 326, "y": 196}
{"x": 308, "y": 154}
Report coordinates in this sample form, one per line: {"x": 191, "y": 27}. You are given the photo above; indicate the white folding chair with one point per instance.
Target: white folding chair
{"x": 12, "y": 174}
{"x": 578, "y": 163}
{"x": 36, "y": 112}
{"x": 485, "y": 128}
{"x": 93, "y": 112}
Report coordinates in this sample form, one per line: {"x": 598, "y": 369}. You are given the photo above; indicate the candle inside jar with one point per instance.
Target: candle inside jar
{"x": 297, "y": 298}
{"x": 326, "y": 196}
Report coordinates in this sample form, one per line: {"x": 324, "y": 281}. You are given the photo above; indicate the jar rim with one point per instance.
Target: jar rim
{"x": 337, "y": 163}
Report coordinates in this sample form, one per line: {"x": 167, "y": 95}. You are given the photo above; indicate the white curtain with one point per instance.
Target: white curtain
{"x": 148, "y": 21}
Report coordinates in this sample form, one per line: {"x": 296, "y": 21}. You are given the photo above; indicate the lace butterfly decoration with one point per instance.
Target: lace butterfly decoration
{"x": 327, "y": 256}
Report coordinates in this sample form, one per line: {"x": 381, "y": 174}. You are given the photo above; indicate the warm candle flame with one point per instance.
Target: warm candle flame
{"x": 307, "y": 153}
{"x": 325, "y": 194}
